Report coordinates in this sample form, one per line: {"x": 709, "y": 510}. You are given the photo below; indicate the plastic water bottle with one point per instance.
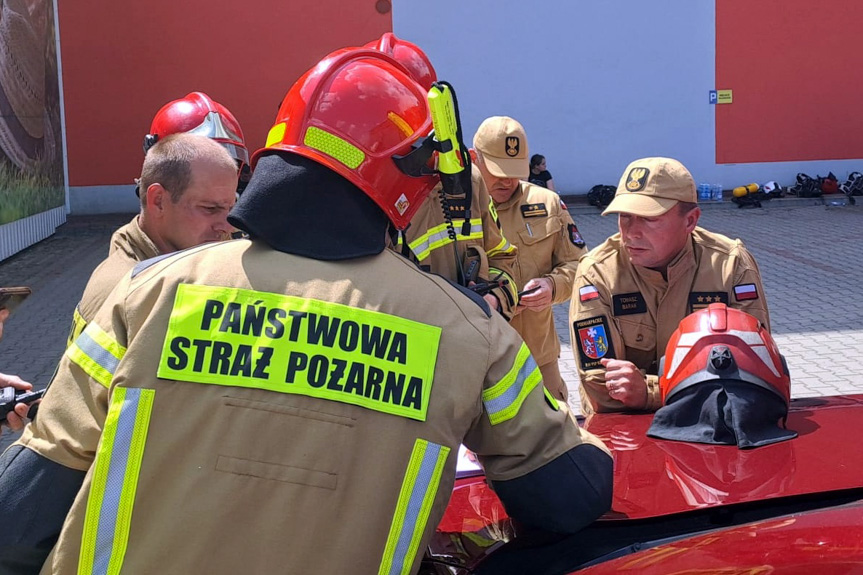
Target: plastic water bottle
{"x": 716, "y": 192}
{"x": 703, "y": 192}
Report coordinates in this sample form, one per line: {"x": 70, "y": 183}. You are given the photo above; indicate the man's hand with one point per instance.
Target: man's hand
{"x": 541, "y": 298}
{"x": 15, "y": 419}
{"x": 492, "y": 301}
{"x": 625, "y": 383}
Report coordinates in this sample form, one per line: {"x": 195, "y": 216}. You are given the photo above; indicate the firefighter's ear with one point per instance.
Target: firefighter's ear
{"x": 156, "y": 196}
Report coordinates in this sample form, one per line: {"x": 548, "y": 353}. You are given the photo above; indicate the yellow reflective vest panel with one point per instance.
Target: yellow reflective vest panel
{"x": 623, "y": 311}
{"x": 430, "y": 242}
{"x": 244, "y": 410}
{"x": 129, "y": 245}
{"x": 549, "y": 245}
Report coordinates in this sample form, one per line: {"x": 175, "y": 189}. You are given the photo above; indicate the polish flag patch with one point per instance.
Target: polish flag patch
{"x": 587, "y": 293}
{"x": 745, "y": 292}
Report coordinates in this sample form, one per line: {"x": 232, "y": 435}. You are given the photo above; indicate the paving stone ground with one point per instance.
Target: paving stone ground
{"x": 809, "y": 255}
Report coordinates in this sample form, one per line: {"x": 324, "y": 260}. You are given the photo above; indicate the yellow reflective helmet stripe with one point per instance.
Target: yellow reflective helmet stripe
{"x": 97, "y": 353}
{"x": 276, "y": 134}
{"x": 303, "y": 346}
{"x": 114, "y": 482}
{"x": 438, "y": 236}
{"x": 503, "y": 400}
{"x": 417, "y": 495}
{"x": 332, "y": 145}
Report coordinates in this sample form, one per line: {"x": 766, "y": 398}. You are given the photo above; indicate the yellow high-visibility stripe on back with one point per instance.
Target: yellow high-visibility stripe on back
{"x": 503, "y": 400}
{"x": 97, "y": 353}
{"x": 115, "y": 481}
{"x": 417, "y": 495}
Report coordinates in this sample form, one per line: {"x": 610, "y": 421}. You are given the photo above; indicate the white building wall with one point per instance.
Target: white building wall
{"x": 596, "y": 83}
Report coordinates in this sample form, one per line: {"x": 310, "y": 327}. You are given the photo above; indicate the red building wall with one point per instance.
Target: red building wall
{"x": 794, "y": 68}
{"x": 123, "y": 61}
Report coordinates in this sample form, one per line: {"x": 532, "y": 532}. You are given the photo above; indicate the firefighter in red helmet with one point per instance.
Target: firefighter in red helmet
{"x": 197, "y": 113}
{"x": 723, "y": 381}
{"x": 303, "y": 383}
{"x": 186, "y": 198}
{"x": 438, "y": 238}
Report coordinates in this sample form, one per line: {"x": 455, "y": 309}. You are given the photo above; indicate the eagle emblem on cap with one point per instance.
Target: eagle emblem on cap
{"x": 636, "y": 179}
{"x": 512, "y": 146}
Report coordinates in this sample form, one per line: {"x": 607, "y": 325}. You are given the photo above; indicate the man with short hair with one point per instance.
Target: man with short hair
{"x": 632, "y": 290}
{"x": 549, "y": 244}
{"x": 188, "y": 185}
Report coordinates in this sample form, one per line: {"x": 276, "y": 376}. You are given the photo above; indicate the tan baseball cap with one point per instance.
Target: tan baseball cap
{"x": 503, "y": 145}
{"x": 650, "y": 187}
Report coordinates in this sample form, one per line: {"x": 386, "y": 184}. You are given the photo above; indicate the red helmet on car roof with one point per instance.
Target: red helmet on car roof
{"x": 353, "y": 112}
{"x": 408, "y": 55}
{"x": 719, "y": 342}
{"x": 197, "y": 113}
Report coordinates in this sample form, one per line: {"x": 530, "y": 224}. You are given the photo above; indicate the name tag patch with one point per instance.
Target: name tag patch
{"x": 285, "y": 344}
{"x": 533, "y": 210}
{"x": 628, "y": 304}
{"x": 701, "y": 299}
{"x": 594, "y": 341}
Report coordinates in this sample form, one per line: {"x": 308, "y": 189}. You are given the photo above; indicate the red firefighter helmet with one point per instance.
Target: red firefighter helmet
{"x": 408, "y": 55}
{"x": 723, "y": 343}
{"x": 197, "y": 113}
{"x": 353, "y": 112}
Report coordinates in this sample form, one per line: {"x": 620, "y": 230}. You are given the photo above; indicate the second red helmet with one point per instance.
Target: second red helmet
{"x": 719, "y": 342}
{"x": 408, "y": 55}
{"x": 197, "y": 113}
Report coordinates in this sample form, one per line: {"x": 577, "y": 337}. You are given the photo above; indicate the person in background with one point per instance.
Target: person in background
{"x": 549, "y": 244}
{"x": 539, "y": 174}
{"x": 632, "y": 290}
{"x": 429, "y": 241}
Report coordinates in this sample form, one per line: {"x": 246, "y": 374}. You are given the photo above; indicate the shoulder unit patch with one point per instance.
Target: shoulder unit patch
{"x": 575, "y": 236}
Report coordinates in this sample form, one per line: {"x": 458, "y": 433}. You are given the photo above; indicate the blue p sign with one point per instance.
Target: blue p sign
{"x": 712, "y": 97}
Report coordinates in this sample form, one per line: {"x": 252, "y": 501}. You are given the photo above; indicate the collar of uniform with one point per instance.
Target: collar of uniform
{"x": 684, "y": 261}
{"x": 132, "y": 240}
{"x": 297, "y": 206}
